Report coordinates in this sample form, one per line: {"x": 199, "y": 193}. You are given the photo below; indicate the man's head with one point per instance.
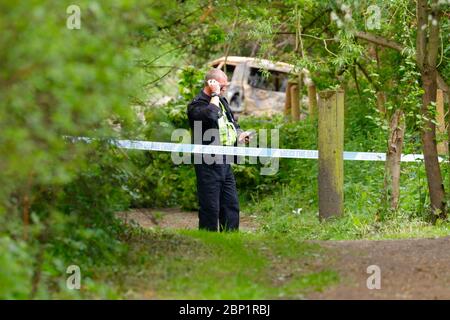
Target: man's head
{"x": 220, "y": 77}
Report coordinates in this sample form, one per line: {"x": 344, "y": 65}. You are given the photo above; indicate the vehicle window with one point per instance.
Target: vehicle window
{"x": 229, "y": 70}
{"x": 276, "y": 81}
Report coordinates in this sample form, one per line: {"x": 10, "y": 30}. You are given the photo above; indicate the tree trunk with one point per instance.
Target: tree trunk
{"x": 446, "y": 98}
{"x": 381, "y": 102}
{"x": 427, "y": 47}
{"x": 442, "y": 145}
{"x": 433, "y": 171}
{"x": 393, "y": 159}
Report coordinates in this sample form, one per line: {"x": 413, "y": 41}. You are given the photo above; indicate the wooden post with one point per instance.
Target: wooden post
{"x": 295, "y": 103}
{"x": 312, "y": 97}
{"x": 442, "y": 146}
{"x": 393, "y": 159}
{"x": 331, "y": 148}
{"x": 287, "y": 102}
{"x": 301, "y": 115}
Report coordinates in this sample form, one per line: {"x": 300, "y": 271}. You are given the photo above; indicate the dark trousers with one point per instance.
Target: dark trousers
{"x": 217, "y": 195}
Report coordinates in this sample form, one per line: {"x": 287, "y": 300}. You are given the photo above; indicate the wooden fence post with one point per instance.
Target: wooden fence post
{"x": 287, "y": 102}
{"x": 442, "y": 146}
{"x": 331, "y": 148}
{"x": 312, "y": 107}
{"x": 295, "y": 103}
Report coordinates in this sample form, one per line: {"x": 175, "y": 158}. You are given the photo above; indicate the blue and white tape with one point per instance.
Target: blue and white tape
{"x": 247, "y": 151}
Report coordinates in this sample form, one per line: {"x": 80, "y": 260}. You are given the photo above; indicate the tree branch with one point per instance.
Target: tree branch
{"x": 399, "y": 47}
{"x": 368, "y": 77}
{"x": 379, "y": 40}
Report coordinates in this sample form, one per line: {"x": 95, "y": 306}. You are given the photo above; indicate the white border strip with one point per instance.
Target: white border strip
{"x": 247, "y": 151}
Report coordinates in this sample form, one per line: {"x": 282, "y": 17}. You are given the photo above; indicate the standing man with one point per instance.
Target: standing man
{"x": 212, "y": 122}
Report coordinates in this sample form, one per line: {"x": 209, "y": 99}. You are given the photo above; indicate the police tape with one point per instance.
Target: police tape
{"x": 246, "y": 151}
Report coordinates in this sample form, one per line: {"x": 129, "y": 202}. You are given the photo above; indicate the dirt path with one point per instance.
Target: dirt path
{"x": 174, "y": 218}
{"x": 410, "y": 269}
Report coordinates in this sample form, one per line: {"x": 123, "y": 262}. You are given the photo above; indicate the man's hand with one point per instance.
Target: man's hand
{"x": 245, "y": 137}
{"x": 214, "y": 86}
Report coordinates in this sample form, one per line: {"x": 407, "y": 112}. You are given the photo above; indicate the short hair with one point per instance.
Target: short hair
{"x": 215, "y": 74}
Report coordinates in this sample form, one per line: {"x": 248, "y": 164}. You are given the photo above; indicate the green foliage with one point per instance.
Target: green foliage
{"x": 191, "y": 82}
{"x": 58, "y": 195}
{"x": 160, "y": 183}
{"x": 155, "y": 181}
{"x": 15, "y": 269}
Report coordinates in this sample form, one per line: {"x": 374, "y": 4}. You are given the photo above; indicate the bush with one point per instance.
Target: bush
{"x": 60, "y": 197}
{"x": 16, "y": 269}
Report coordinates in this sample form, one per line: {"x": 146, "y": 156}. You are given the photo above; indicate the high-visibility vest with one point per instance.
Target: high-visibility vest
{"x": 227, "y": 131}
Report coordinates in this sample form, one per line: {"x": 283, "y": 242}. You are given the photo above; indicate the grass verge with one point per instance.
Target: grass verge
{"x": 205, "y": 265}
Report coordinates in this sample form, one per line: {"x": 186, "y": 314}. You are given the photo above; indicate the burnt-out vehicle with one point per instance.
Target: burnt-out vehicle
{"x": 257, "y": 86}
